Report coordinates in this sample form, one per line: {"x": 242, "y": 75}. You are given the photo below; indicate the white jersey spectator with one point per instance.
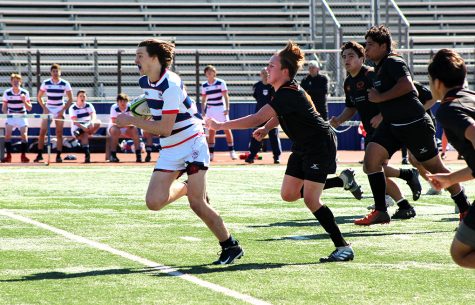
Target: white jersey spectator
{"x": 214, "y": 92}
{"x": 55, "y": 91}
{"x": 15, "y": 104}
{"x": 82, "y": 115}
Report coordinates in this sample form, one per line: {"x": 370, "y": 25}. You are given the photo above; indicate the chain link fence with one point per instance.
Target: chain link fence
{"x": 105, "y": 72}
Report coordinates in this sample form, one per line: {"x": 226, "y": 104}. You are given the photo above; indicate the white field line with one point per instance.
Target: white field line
{"x": 161, "y": 268}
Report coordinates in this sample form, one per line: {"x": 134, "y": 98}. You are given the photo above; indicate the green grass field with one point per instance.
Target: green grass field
{"x": 405, "y": 262}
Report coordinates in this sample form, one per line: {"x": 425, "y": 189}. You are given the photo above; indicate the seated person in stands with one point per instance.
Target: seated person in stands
{"x": 84, "y": 122}
{"x": 129, "y": 132}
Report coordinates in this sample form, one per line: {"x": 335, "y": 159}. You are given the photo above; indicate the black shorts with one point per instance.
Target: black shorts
{"x": 418, "y": 137}
{"x": 316, "y": 164}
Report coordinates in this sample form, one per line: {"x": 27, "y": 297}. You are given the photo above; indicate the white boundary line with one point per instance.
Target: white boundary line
{"x": 161, "y": 268}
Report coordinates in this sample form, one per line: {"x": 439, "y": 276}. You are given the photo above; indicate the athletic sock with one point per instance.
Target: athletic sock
{"x": 404, "y": 204}
{"x": 405, "y": 174}
{"x": 377, "y": 182}
{"x": 113, "y": 153}
{"x": 85, "y": 148}
{"x": 230, "y": 147}
{"x": 23, "y": 147}
{"x": 326, "y": 219}
{"x": 211, "y": 148}
{"x": 461, "y": 201}
{"x": 333, "y": 182}
{"x": 148, "y": 149}
{"x": 228, "y": 242}
{"x": 58, "y": 153}
{"x": 8, "y": 147}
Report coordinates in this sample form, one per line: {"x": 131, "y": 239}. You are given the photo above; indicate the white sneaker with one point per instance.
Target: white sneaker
{"x": 432, "y": 191}
{"x": 389, "y": 203}
{"x": 211, "y": 156}
{"x": 233, "y": 155}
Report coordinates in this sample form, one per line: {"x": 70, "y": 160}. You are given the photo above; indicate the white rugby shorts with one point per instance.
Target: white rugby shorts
{"x": 178, "y": 157}
{"x": 17, "y": 122}
{"x": 217, "y": 113}
{"x": 54, "y": 110}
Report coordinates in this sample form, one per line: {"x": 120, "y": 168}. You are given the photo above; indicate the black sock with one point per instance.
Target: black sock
{"x": 333, "y": 182}
{"x": 148, "y": 149}
{"x": 377, "y": 182}
{"x": 8, "y": 147}
{"x": 85, "y": 148}
{"x": 228, "y": 242}
{"x": 404, "y": 204}
{"x": 326, "y": 219}
{"x": 230, "y": 147}
{"x": 461, "y": 201}
{"x": 405, "y": 174}
{"x": 23, "y": 147}
{"x": 469, "y": 220}
{"x": 113, "y": 154}
{"x": 138, "y": 152}
{"x": 58, "y": 153}
{"x": 211, "y": 148}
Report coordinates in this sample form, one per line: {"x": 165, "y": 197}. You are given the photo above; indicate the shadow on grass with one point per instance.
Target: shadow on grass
{"x": 311, "y": 222}
{"x": 154, "y": 271}
{"x": 351, "y": 234}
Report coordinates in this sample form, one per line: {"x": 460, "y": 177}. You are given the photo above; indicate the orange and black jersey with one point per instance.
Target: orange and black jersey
{"x": 405, "y": 108}
{"x": 356, "y": 96}
{"x": 298, "y": 117}
{"x": 456, "y": 113}
{"x": 424, "y": 95}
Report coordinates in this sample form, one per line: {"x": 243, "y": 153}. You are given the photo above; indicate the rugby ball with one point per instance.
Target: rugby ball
{"x": 139, "y": 107}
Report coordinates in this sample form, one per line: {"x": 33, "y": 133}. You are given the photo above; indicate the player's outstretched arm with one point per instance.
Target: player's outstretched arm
{"x": 253, "y": 120}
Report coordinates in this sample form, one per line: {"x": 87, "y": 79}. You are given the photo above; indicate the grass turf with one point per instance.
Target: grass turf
{"x": 403, "y": 262}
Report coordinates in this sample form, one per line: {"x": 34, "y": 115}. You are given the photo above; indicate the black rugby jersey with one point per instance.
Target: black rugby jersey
{"x": 456, "y": 113}
{"x": 424, "y": 96}
{"x": 298, "y": 117}
{"x": 356, "y": 96}
{"x": 405, "y": 108}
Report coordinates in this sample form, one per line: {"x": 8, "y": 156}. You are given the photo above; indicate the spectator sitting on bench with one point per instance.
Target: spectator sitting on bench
{"x": 129, "y": 132}
{"x": 84, "y": 122}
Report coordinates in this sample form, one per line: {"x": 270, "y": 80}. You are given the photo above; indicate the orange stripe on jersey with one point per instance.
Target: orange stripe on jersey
{"x": 170, "y": 111}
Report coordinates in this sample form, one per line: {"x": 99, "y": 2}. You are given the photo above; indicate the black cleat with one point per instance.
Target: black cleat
{"x": 415, "y": 185}
{"x": 138, "y": 159}
{"x": 404, "y": 213}
{"x": 148, "y": 158}
{"x": 114, "y": 159}
{"x": 38, "y": 159}
{"x": 350, "y": 184}
{"x": 228, "y": 255}
{"x": 59, "y": 159}
{"x": 87, "y": 159}
{"x": 249, "y": 160}
{"x": 341, "y": 254}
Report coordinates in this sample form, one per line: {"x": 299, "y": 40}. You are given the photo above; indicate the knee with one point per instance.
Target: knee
{"x": 198, "y": 206}
{"x": 457, "y": 257}
{"x": 289, "y": 196}
{"x": 155, "y": 203}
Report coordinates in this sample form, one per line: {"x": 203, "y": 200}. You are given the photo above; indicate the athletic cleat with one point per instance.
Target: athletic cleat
{"x": 349, "y": 183}
{"x": 228, "y": 255}
{"x": 114, "y": 159}
{"x": 415, "y": 185}
{"x": 249, "y": 160}
{"x": 24, "y": 159}
{"x": 374, "y": 217}
{"x": 7, "y": 159}
{"x": 341, "y": 254}
{"x": 59, "y": 159}
{"x": 432, "y": 191}
{"x": 389, "y": 203}
{"x": 404, "y": 214}
{"x": 38, "y": 159}
{"x": 87, "y": 159}
{"x": 138, "y": 159}
{"x": 148, "y": 158}
{"x": 276, "y": 161}
{"x": 233, "y": 155}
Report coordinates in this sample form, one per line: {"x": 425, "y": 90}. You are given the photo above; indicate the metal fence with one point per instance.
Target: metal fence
{"x": 104, "y": 73}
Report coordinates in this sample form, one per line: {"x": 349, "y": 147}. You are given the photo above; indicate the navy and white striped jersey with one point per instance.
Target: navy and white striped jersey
{"x": 168, "y": 96}
{"x": 115, "y": 111}
{"x": 214, "y": 92}
{"x": 81, "y": 114}
{"x": 14, "y": 102}
{"x": 55, "y": 91}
